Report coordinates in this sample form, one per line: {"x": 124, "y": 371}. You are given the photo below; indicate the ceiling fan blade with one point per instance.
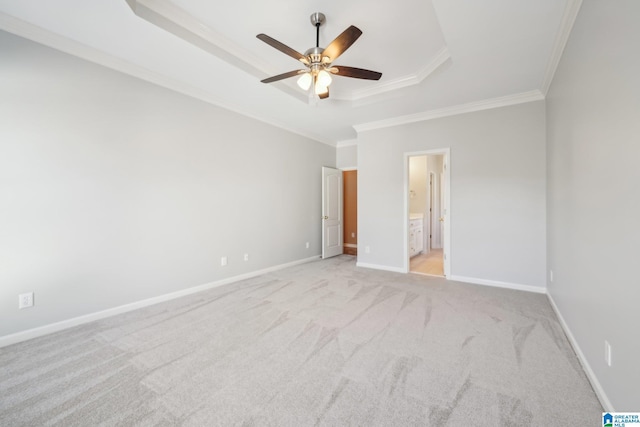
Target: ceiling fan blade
{"x": 358, "y": 73}
{"x": 283, "y": 76}
{"x": 283, "y": 48}
{"x": 324, "y": 95}
{"x": 341, "y": 43}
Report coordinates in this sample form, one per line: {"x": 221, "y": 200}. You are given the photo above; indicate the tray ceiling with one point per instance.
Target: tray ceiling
{"x": 437, "y": 57}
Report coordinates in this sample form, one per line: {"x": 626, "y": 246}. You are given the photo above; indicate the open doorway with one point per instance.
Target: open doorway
{"x": 427, "y": 192}
{"x": 350, "y": 197}
{"x": 339, "y": 212}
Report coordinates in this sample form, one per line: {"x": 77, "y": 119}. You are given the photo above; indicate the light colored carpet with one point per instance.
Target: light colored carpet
{"x": 325, "y": 343}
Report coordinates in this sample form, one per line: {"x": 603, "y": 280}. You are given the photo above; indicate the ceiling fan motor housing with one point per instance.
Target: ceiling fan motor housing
{"x": 315, "y": 56}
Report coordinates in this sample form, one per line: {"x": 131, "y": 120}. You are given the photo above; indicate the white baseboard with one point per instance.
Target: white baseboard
{"x": 349, "y": 245}
{"x": 497, "y": 284}
{"x": 597, "y": 387}
{"x": 69, "y": 323}
{"x": 380, "y": 267}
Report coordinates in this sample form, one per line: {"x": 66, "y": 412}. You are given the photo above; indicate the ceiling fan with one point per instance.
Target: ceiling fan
{"x": 319, "y": 61}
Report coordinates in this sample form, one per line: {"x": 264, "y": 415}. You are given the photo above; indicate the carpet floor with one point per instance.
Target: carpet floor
{"x": 324, "y": 343}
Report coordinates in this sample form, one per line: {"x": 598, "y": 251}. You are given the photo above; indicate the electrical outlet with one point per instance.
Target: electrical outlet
{"x": 307, "y": 245}
{"x": 607, "y": 353}
{"x": 367, "y": 250}
{"x": 25, "y": 300}
{"x": 551, "y": 275}
{"x": 246, "y": 257}
{"x": 223, "y": 261}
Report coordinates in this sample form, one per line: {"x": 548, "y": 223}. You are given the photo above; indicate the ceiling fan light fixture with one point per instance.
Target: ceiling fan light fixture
{"x": 319, "y": 89}
{"x": 305, "y": 81}
{"x": 324, "y": 78}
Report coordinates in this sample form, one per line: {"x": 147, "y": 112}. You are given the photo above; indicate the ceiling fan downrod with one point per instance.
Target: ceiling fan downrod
{"x": 315, "y": 53}
{"x": 317, "y": 19}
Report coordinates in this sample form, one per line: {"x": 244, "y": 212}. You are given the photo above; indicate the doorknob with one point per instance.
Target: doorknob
{"x": 326, "y": 217}
{"x": 441, "y": 219}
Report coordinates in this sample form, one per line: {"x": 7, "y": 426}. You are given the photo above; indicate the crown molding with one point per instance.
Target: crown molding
{"x": 413, "y": 79}
{"x": 47, "y": 38}
{"x": 346, "y": 143}
{"x": 568, "y": 19}
{"x": 166, "y": 15}
{"x": 503, "y": 101}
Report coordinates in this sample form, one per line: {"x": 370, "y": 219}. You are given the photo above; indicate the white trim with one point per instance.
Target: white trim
{"x": 349, "y": 245}
{"x": 347, "y": 143}
{"x": 412, "y": 79}
{"x": 446, "y": 249}
{"x": 498, "y": 284}
{"x": 405, "y": 213}
{"x": 177, "y": 21}
{"x": 487, "y": 104}
{"x": 348, "y": 169}
{"x": 47, "y": 38}
{"x": 568, "y": 19}
{"x": 380, "y": 267}
{"x": 441, "y": 57}
{"x": 80, "y": 320}
{"x": 166, "y": 15}
{"x": 427, "y": 274}
{"x": 169, "y": 17}
{"x": 597, "y": 387}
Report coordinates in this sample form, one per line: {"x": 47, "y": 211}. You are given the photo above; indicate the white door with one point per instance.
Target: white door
{"x": 331, "y": 212}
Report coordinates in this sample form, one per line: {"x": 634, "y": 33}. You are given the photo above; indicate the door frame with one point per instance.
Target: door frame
{"x": 429, "y": 222}
{"x": 446, "y": 246}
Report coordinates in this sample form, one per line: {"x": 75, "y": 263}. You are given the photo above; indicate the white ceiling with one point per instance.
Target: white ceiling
{"x": 437, "y": 57}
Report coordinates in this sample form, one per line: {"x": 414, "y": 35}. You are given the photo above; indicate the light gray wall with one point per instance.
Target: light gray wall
{"x": 347, "y": 157}
{"x": 113, "y": 190}
{"x": 593, "y": 117}
{"x": 497, "y": 191}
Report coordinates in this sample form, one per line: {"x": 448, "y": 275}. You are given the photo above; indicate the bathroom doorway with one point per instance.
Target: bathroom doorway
{"x": 427, "y": 207}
